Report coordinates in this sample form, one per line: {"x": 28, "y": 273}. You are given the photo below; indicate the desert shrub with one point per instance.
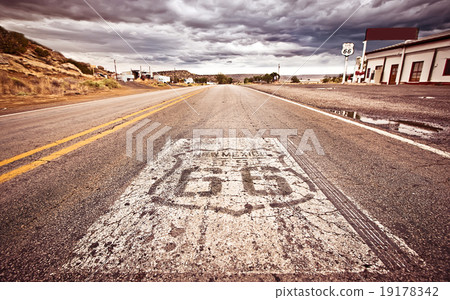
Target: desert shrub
{"x": 41, "y": 52}
{"x": 335, "y": 79}
{"x": 93, "y": 84}
{"x": 84, "y": 67}
{"x": 111, "y": 83}
{"x": 13, "y": 86}
{"x": 223, "y": 79}
{"x": 12, "y": 42}
{"x": 17, "y": 82}
{"x": 55, "y": 83}
{"x": 107, "y": 82}
{"x": 201, "y": 80}
{"x": 294, "y": 79}
{"x": 4, "y": 78}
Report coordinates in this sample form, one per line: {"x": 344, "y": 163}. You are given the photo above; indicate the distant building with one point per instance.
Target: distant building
{"x": 146, "y": 75}
{"x": 136, "y": 74}
{"x": 426, "y": 60}
{"x": 189, "y": 80}
{"x": 163, "y": 79}
{"x": 126, "y": 76}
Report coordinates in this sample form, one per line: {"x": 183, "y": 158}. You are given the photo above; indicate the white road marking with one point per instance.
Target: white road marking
{"x": 223, "y": 211}
{"x": 379, "y": 131}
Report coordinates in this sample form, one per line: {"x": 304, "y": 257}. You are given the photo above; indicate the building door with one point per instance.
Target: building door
{"x": 393, "y": 75}
{"x": 377, "y": 74}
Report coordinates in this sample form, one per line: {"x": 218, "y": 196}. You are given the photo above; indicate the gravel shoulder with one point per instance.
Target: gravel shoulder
{"x": 425, "y": 104}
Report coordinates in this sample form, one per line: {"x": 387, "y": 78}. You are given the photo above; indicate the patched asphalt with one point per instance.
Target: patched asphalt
{"x": 97, "y": 214}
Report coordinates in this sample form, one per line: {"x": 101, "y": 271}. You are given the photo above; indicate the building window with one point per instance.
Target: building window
{"x": 447, "y": 67}
{"x": 416, "y": 71}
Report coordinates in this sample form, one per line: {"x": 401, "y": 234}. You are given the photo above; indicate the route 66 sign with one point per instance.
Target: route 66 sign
{"x": 347, "y": 49}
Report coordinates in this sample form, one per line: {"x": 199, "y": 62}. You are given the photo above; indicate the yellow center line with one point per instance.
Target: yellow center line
{"x": 28, "y": 167}
{"x": 77, "y": 135}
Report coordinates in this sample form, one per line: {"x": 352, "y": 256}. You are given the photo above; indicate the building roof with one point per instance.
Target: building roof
{"x": 431, "y": 38}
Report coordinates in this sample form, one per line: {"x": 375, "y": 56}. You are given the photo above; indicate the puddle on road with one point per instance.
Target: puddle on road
{"x": 413, "y": 128}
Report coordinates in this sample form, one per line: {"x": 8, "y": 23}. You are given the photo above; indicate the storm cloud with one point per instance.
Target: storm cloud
{"x": 205, "y": 36}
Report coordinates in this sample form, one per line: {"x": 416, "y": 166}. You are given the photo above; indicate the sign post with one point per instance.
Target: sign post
{"x": 362, "y": 60}
{"x": 347, "y": 50}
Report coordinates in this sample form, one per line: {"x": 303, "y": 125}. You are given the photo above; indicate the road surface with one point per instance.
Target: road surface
{"x": 215, "y": 184}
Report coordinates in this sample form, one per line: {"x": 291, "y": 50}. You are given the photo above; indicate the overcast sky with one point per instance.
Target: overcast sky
{"x": 207, "y": 37}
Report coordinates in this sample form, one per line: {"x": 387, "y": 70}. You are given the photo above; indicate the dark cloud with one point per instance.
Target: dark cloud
{"x": 114, "y": 10}
{"x": 193, "y": 32}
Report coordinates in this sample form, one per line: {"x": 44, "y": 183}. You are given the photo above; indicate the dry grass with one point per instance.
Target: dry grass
{"x": 102, "y": 84}
{"x": 32, "y": 85}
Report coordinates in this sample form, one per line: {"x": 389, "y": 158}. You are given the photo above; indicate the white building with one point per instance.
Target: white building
{"x": 126, "y": 76}
{"x": 163, "y": 79}
{"x": 189, "y": 80}
{"x": 414, "y": 61}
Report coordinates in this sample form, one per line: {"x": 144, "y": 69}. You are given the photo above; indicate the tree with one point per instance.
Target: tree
{"x": 41, "y": 52}
{"x": 223, "y": 79}
{"x": 275, "y": 76}
{"x": 220, "y": 78}
{"x": 294, "y": 79}
{"x": 267, "y": 78}
{"x": 201, "y": 80}
{"x": 257, "y": 78}
{"x": 326, "y": 79}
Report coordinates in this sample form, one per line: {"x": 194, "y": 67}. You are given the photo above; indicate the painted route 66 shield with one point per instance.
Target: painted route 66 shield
{"x": 347, "y": 49}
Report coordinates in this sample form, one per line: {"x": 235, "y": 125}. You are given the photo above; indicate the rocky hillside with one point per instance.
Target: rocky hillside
{"x": 26, "y": 67}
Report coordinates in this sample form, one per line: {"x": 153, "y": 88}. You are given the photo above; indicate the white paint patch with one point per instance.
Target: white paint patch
{"x": 223, "y": 211}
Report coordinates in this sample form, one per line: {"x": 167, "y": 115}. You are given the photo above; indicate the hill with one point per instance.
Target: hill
{"x": 29, "y": 68}
{"x": 184, "y": 74}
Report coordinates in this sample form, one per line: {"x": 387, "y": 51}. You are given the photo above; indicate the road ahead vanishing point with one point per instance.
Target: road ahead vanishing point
{"x": 216, "y": 183}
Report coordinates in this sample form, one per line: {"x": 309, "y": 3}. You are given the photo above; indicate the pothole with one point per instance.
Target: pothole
{"x": 413, "y": 128}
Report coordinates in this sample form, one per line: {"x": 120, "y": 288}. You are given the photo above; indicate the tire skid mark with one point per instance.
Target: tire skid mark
{"x": 223, "y": 213}
{"x": 390, "y": 253}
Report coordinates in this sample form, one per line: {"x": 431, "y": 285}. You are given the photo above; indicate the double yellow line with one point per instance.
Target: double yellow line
{"x": 28, "y": 167}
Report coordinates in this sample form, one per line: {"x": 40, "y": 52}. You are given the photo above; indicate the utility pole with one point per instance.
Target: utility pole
{"x": 279, "y": 75}
{"x": 115, "y": 68}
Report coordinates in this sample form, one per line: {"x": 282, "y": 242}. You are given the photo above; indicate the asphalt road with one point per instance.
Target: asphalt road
{"x": 354, "y": 205}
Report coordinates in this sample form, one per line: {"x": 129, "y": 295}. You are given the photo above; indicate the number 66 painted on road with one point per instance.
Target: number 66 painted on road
{"x": 215, "y": 186}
